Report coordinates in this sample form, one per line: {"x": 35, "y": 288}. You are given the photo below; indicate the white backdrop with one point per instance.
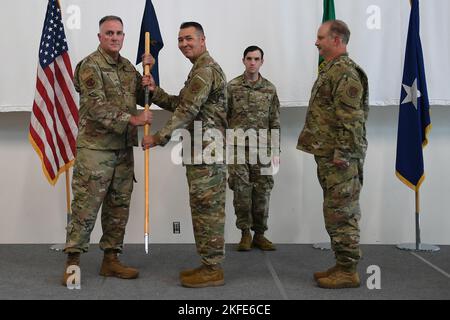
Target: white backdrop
{"x": 285, "y": 29}
{"x": 32, "y": 211}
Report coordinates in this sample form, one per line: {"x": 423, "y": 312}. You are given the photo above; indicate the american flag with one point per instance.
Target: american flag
{"x": 54, "y": 118}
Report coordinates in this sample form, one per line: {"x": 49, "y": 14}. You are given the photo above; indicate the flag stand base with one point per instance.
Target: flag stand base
{"x": 57, "y": 247}
{"x": 322, "y": 246}
{"x": 420, "y": 247}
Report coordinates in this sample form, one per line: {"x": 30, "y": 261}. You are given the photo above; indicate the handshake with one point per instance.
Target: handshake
{"x": 149, "y": 141}
{"x": 145, "y": 117}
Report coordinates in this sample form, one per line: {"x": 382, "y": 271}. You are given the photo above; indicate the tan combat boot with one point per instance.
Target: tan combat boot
{"x": 340, "y": 279}
{"x": 323, "y": 274}
{"x": 261, "y": 242}
{"x": 246, "y": 241}
{"x": 72, "y": 259}
{"x": 112, "y": 267}
{"x": 188, "y": 272}
{"x": 204, "y": 276}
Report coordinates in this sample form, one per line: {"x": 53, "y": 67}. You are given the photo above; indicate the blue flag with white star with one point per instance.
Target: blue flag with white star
{"x": 150, "y": 24}
{"x": 414, "y": 116}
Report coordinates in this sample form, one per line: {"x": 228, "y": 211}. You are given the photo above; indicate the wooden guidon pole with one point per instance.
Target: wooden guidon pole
{"x": 147, "y": 152}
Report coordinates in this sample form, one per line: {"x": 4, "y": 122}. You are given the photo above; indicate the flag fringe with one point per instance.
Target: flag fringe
{"x": 427, "y": 131}
{"x": 408, "y": 183}
{"x": 44, "y": 169}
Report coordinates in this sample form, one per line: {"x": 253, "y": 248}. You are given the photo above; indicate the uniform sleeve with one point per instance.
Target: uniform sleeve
{"x": 229, "y": 102}
{"x": 191, "y": 98}
{"x": 140, "y": 93}
{"x": 90, "y": 85}
{"x": 274, "y": 120}
{"x": 164, "y": 100}
{"x": 349, "y": 114}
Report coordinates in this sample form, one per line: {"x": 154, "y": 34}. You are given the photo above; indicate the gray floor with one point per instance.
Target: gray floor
{"x": 34, "y": 272}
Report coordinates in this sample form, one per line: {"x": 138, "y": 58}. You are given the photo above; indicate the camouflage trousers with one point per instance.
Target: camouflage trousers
{"x": 341, "y": 189}
{"x": 207, "y": 187}
{"x": 100, "y": 178}
{"x": 251, "y": 194}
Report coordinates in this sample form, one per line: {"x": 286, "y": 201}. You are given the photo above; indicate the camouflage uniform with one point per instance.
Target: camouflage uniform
{"x": 203, "y": 98}
{"x": 251, "y": 106}
{"x": 335, "y": 129}
{"x": 103, "y": 171}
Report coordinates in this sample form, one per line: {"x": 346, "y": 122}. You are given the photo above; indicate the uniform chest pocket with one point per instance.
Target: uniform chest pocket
{"x": 110, "y": 79}
{"x": 240, "y": 103}
{"x": 262, "y": 101}
{"x": 322, "y": 91}
{"x": 128, "y": 82}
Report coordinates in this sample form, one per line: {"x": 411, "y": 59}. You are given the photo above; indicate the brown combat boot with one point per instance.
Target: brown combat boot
{"x": 323, "y": 274}
{"x": 261, "y": 242}
{"x": 340, "y": 279}
{"x": 188, "y": 272}
{"x": 204, "y": 276}
{"x": 72, "y": 259}
{"x": 246, "y": 241}
{"x": 112, "y": 267}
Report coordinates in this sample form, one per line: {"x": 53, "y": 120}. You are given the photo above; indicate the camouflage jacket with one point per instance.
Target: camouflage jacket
{"x": 203, "y": 98}
{"x": 108, "y": 92}
{"x": 337, "y": 112}
{"x": 252, "y": 106}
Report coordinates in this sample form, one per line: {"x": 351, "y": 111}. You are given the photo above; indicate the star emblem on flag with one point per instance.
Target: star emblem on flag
{"x": 412, "y": 93}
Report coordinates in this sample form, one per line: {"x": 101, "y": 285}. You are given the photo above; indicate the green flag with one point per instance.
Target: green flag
{"x": 328, "y": 14}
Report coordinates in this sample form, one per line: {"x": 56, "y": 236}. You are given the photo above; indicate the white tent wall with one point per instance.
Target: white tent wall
{"x": 34, "y": 212}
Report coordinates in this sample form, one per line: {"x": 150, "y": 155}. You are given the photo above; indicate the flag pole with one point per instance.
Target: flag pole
{"x": 61, "y": 246}
{"x": 418, "y": 246}
{"x": 68, "y": 194}
{"x": 417, "y": 221}
{"x": 147, "y": 151}
{"x": 417, "y": 204}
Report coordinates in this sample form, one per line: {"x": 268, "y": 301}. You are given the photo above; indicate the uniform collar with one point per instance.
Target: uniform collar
{"x": 108, "y": 58}
{"x": 255, "y": 85}
{"x": 200, "y": 60}
{"x": 330, "y": 63}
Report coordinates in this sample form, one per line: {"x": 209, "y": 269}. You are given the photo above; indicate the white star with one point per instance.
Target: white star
{"x": 412, "y": 94}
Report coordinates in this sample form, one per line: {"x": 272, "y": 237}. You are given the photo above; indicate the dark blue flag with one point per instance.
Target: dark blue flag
{"x": 414, "y": 117}
{"x": 150, "y": 24}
